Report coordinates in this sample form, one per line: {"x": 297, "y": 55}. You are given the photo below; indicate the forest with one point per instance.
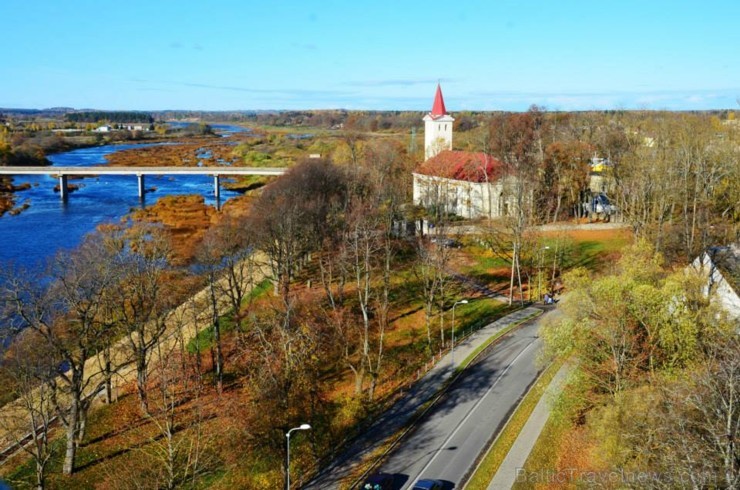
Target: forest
{"x": 110, "y": 116}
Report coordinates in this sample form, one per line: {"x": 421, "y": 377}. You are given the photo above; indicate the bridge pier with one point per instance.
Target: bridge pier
{"x": 217, "y": 186}
{"x": 142, "y": 191}
{"x": 63, "y": 190}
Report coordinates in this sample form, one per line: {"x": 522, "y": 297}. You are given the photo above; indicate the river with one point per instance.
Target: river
{"x": 50, "y": 225}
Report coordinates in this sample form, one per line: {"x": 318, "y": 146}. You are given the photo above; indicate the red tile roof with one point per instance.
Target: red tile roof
{"x": 462, "y": 165}
{"x": 438, "y": 108}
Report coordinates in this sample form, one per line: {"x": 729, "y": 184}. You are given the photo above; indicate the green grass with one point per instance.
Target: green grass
{"x": 501, "y": 446}
{"x": 205, "y": 338}
{"x": 260, "y": 289}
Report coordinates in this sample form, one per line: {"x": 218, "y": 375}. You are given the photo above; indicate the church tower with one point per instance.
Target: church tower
{"x": 437, "y": 127}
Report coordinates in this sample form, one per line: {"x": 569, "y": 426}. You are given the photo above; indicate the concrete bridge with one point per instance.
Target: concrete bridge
{"x": 62, "y": 173}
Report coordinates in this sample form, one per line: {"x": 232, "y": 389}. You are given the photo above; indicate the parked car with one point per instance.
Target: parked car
{"x": 446, "y": 242}
{"x": 378, "y": 481}
{"x": 427, "y": 484}
{"x": 599, "y": 207}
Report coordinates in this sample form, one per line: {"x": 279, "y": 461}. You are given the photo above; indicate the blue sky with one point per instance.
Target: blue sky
{"x": 321, "y": 54}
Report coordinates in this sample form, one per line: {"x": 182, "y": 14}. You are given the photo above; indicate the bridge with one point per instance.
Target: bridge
{"x": 62, "y": 173}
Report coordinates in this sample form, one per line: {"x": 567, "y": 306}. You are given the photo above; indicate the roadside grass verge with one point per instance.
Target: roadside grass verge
{"x": 548, "y": 449}
{"x": 491, "y": 462}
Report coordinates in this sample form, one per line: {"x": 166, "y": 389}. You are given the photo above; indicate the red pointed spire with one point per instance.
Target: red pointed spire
{"x": 438, "y": 109}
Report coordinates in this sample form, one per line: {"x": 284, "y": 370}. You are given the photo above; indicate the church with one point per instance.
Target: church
{"x": 468, "y": 184}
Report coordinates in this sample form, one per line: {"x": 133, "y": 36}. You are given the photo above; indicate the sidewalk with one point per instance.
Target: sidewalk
{"x": 361, "y": 449}
{"x": 506, "y": 475}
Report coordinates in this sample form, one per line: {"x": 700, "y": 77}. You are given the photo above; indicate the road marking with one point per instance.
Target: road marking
{"x": 470, "y": 412}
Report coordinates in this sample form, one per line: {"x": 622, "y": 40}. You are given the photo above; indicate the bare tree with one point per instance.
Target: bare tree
{"x": 139, "y": 297}
{"x": 176, "y": 409}
{"x": 519, "y": 141}
{"x": 66, "y": 309}
{"x": 30, "y": 366}
{"x": 293, "y": 215}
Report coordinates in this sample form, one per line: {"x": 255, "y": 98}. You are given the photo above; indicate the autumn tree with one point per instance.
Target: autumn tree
{"x": 283, "y": 363}
{"x": 29, "y": 367}
{"x": 139, "y": 298}
{"x": 657, "y": 371}
{"x": 432, "y": 259}
{"x": 291, "y": 215}
{"x": 564, "y": 177}
{"x": 182, "y": 453}
{"x": 66, "y": 309}
{"x": 519, "y": 141}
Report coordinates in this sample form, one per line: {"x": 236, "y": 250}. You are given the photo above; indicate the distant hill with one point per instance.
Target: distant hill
{"x": 50, "y": 112}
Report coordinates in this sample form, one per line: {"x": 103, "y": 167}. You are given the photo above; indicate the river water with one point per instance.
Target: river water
{"x": 50, "y": 225}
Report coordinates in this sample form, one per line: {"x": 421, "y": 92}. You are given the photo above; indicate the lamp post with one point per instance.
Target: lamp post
{"x": 452, "y": 349}
{"x": 287, "y": 453}
{"x": 539, "y": 272}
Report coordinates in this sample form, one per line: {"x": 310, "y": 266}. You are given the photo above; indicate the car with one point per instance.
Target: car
{"x": 599, "y": 206}
{"x": 427, "y": 484}
{"x": 378, "y": 481}
{"x": 447, "y": 242}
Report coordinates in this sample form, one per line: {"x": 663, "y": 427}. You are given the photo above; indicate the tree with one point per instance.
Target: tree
{"x": 283, "y": 361}
{"x": 30, "y": 366}
{"x": 564, "y": 177}
{"x": 139, "y": 296}
{"x": 293, "y": 214}
{"x": 519, "y": 141}
{"x": 431, "y": 271}
{"x": 66, "y": 309}
{"x": 181, "y": 454}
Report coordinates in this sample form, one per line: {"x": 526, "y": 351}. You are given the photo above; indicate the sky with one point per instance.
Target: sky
{"x": 379, "y": 55}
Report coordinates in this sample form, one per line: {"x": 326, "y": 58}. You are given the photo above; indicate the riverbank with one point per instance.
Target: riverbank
{"x": 38, "y": 148}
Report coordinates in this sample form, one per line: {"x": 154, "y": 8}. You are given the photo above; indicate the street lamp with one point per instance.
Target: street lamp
{"x": 452, "y": 349}
{"x": 539, "y": 272}
{"x": 287, "y": 453}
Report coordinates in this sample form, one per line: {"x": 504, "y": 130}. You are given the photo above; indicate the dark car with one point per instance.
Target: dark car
{"x": 426, "y": 484}
{"x": 378, "y": 481}
{"x": 446, "y": 242}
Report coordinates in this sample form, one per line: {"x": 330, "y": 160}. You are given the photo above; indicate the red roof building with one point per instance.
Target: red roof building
{"x": 469, "y": 184}
{"x": 438, "y": 108}
{"x": 462, "y": 165}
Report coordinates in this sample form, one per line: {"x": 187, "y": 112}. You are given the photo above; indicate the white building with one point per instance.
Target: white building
{"x": 437, "y": 127}
{"x": 469, "y": 184}
{"x": 721, "y": 267}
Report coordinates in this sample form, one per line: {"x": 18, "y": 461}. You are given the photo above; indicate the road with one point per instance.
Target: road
{"x": 446, "y": 444}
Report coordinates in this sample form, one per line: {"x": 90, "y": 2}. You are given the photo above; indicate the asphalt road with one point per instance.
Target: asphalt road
{"x": 446, "y": 444}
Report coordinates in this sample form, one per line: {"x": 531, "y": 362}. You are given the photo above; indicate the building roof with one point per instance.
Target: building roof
{"x": 462, "y": 165}
{"x": 438, "y": 108}
{"x": 727, "y": 260}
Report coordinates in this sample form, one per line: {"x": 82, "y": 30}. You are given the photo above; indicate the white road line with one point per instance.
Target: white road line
{"x": 470, "y": 412}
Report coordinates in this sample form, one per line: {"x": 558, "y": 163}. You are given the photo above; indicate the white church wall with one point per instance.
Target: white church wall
{"x": 466, "y": 199}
